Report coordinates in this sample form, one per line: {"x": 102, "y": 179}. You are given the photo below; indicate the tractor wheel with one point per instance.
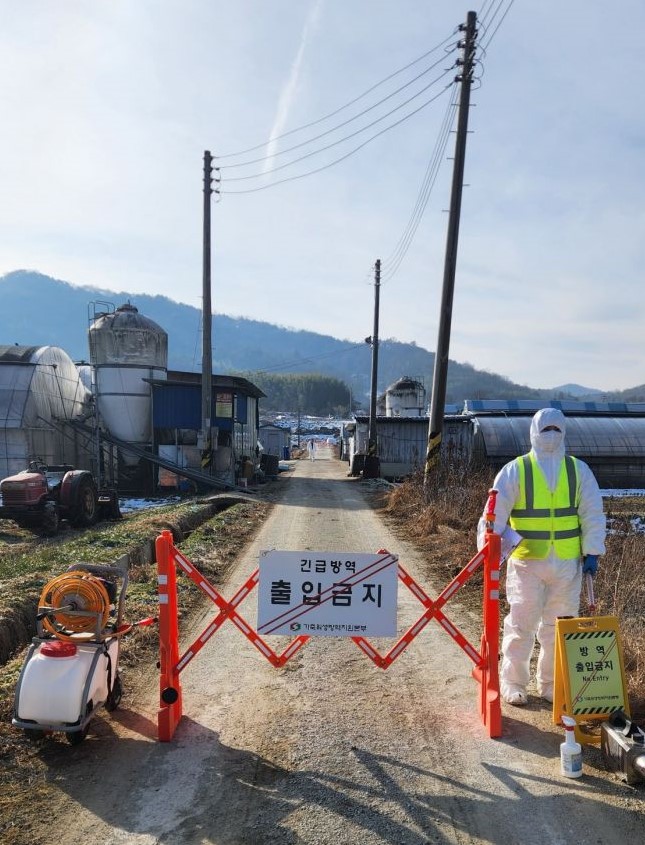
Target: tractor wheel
{"x": 115, "y": 510}
{"x": 50, "y": 521}
{"x": 116, "y": 693}
{"x": 85, "y": 506}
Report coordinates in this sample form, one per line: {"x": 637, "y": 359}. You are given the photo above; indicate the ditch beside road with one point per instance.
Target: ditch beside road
{"x": 328, "y": 749}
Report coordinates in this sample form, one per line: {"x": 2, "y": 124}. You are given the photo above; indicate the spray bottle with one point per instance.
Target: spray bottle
{"x": 570, "y": 750}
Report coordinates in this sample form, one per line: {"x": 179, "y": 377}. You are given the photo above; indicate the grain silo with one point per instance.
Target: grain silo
{"x": 126, "y": 349}
{"x": 405, "y": 398}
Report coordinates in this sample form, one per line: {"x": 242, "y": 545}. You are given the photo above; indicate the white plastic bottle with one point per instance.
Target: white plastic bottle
{"x": 570, "y": 750}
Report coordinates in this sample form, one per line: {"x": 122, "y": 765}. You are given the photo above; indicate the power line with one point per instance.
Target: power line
{"x": 344, "y": 123}
{"x": 346, "y": 138}
{"x": 343, "y": 157}
{"x": 501, "y": 21}
{"x": 345, "y": 106}
{"x": 312, "y": 358}
{"x": 394, "y": 261}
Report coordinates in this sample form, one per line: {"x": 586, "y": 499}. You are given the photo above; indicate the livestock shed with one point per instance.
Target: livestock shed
{"x": 402, "y": 441}
{"x": 41, "y": 393}
{"x": 610, "y": 437}
{"x": 177, "y": 414}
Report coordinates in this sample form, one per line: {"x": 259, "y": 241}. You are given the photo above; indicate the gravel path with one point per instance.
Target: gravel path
{"x": 329, "y": 749}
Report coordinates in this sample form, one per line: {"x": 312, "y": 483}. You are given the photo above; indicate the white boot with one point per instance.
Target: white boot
{"x": 514, "y": 695}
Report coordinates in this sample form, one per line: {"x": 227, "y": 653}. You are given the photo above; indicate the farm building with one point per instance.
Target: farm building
{"x": 41, "y": 392}
{"x": 275, "y": 440}
{"x": 610, "y": 437}
{"x": 147, "y": 415}
{"x": 176, "y": 416}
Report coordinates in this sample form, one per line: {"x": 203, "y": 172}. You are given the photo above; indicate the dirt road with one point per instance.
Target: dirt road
{"x": 329, "y": 749}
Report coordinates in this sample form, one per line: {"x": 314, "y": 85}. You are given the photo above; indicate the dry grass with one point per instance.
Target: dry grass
{"x": 454, "y": 503}
{"x": 620, "y": 591}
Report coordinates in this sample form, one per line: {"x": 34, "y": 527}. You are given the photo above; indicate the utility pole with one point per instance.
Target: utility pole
{"x": 372, "y": 468}
{"x": 440, "y": 374}
{"x": 207, "y": 354}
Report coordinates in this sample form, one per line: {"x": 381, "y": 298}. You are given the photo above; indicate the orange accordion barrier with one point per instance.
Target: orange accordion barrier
{"x": 485, "y": 659}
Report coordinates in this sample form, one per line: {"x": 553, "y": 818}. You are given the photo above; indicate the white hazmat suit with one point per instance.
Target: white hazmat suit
{"x": 538, "y": 591}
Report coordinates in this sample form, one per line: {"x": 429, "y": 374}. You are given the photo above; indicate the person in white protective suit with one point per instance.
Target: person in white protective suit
{"x": 554, "y": 502}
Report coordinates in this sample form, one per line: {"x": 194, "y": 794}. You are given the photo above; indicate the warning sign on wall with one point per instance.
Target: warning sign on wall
{"x": 328, "y": 594}
{"x": 589, "y": 682}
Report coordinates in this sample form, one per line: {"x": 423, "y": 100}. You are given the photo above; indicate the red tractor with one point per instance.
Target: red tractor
{"x": 41, "y": 496}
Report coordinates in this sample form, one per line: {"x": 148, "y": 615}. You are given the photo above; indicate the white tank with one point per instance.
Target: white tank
{"x": 125, "y": 349}
{"x": 405, "y": 398}
{"x": 51, "y": 688}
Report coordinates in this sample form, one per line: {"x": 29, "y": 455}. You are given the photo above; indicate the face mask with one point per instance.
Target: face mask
{"x": 549, "y": 440}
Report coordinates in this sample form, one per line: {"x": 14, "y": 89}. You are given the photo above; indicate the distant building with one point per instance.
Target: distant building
{"x": 177, "y": 414}
{"x": 610, "y": 437}
{"x": 275, "y": 440}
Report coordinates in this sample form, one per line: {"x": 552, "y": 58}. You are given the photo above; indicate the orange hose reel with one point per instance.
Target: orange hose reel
{"x": 74, "y": 606}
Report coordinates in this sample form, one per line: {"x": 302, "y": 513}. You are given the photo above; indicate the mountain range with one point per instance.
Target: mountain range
{"x": 38, "y": 310}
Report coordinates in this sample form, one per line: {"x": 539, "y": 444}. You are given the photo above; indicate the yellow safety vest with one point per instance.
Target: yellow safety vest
{"x": 544, "y": 518}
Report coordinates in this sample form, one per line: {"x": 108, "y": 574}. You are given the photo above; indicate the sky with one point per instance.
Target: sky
{"x": 107, "y": 108}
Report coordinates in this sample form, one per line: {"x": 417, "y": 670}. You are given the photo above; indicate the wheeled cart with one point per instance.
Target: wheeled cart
{"x": 72, "y": 667}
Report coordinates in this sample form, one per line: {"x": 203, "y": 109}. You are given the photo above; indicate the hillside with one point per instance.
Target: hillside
{"x": 40, "y": 310}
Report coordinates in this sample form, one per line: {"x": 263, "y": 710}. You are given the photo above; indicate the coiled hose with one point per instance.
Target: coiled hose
{"x": 74, "y": 606}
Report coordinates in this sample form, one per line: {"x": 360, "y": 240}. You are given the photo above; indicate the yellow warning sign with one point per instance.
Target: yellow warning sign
{"x": 589, "y": 679}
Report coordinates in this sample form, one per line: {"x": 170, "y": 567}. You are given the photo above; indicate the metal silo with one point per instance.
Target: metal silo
{"x": 125, "y": 349}
{"x": 405, "y": 398}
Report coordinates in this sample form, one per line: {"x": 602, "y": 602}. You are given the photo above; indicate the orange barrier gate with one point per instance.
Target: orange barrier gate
{"x": 171, "y": 664}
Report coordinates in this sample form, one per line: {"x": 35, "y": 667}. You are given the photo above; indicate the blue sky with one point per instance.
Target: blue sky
{"x": 108, "y": 106}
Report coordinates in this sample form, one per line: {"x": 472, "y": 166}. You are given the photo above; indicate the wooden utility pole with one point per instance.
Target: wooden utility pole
{"x": 207, "y": 317}
{"x": 372, "y": 464}
{"x": 440, "y": 374}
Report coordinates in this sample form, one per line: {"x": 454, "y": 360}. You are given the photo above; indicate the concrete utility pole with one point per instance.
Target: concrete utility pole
{"x": 372, "y": 468}
{"x": 207, "y": 354}
{"x": 440, "y": 375}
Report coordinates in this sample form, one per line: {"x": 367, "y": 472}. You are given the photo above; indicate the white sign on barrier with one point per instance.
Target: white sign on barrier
{"x": 327, "y": 594}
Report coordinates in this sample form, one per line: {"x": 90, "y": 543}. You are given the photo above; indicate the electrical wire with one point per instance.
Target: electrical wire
{"x": 312, "y": 358}
{"x": 346, "y": 122}
{"x": 343, "y": 107}
{"x": 346, "y": 138}
{"x": 482, "y": 12}
{"x": 501, "y": 21}
{"x": 394, "y": 261}
{"x": 341, "y": 158}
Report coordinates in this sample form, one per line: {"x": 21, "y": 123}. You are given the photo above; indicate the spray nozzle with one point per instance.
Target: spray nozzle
{"x": 569, "y": 723}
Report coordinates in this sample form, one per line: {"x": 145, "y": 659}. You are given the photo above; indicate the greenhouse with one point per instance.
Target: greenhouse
{"x": 40, "y": 392}
{"x": 610, "y": 437}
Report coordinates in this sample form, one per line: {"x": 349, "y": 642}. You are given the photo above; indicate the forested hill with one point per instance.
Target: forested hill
{"x": 39, "y": 310}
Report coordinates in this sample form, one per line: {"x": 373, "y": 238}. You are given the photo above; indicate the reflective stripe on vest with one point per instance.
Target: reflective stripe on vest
{"x": 543, "y": 517}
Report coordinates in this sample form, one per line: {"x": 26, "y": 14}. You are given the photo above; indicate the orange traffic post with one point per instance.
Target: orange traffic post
{"x": 170, "y": 701}
{"x": 487, "y": 674}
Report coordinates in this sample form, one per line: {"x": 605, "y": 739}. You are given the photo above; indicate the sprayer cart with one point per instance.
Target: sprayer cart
{"x": 72, "y": 667}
